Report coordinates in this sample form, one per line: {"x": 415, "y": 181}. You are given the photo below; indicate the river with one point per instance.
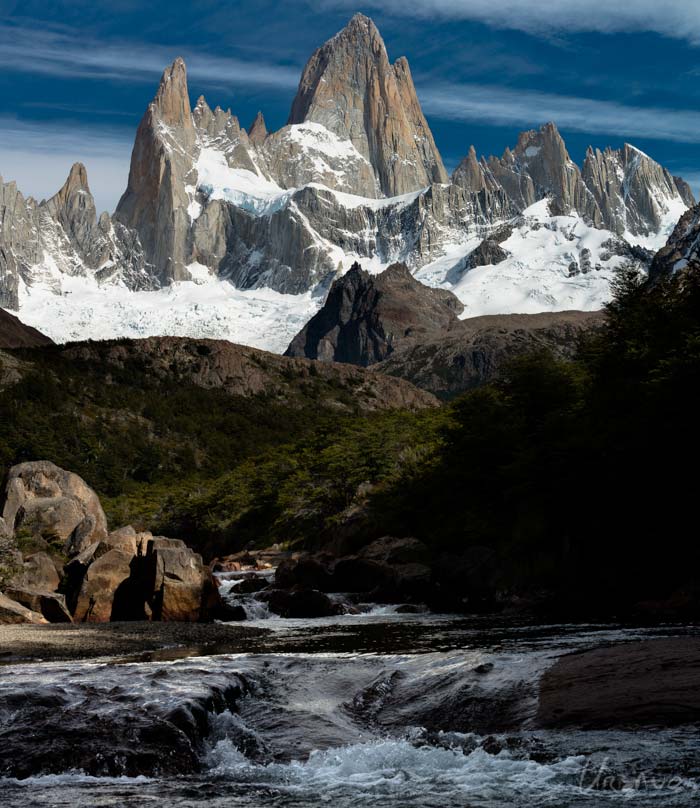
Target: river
{"x": 380, "y": 709}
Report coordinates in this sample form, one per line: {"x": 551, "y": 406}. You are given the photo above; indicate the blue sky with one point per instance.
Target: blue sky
{"x": 75, "y": 77}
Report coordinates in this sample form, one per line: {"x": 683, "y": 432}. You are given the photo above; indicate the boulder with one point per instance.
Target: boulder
{"x": 49, "y": 604}
{"x": 99, "y": 597}
{"x": 44, "y": 499}
{"x": 13, "y": 612}
{"x": 175, "y": 579}
{"x": 39, "y": 573}
{"x": 302, "y": 603}
{"x": 126, "y": 539}
{"x": 311, "y": 572}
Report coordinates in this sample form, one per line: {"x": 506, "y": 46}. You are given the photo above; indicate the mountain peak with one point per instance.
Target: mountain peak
{"x": 349, "y": 87}
{"x": 257, "y": 131}
{"x": 172, "y": 101}
{"x": 77, "y": 178}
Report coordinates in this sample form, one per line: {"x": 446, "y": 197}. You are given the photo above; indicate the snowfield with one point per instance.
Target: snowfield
{"x": 203, "y": 308}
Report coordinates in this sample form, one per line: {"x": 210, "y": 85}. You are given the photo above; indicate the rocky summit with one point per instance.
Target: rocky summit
{"x": 238, "y": 233}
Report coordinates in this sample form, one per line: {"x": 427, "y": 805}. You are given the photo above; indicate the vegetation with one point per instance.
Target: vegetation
{"x": 577, "y": 477}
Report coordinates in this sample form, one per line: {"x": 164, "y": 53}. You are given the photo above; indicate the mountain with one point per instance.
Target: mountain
{"x": 61, "y": 238}
{"x": 15, "y": 334}
{"x": 239, "y": 233}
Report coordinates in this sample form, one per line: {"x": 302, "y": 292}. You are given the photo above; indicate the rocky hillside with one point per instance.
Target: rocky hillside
{"x": 246, "y": 372}
{"x": 367, "y": 317}
{"x": 479, "y": 350}
{"x": 15, "y": 334}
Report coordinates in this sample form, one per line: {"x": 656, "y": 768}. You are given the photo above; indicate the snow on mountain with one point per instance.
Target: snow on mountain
{"x": 555, "y": 263}
{"x": 241, "y": 187}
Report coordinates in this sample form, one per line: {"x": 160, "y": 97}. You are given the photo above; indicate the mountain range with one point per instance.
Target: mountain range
{"x": 239, "y": 233}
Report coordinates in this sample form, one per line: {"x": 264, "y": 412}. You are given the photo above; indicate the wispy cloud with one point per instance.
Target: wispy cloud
{"x": 501, "y": 106}
{"x": 38, "y": 156}
{"x": 60, "y": 52}
{"x": 679, "y": 19}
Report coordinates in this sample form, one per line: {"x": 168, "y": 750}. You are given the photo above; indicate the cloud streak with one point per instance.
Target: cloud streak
{"x": 54, "y": 52}
{"x": 679, "y": 19}
{"x": 500, "y": 106}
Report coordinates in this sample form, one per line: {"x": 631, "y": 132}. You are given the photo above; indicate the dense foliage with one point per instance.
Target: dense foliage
{"x": 577, "y": 478}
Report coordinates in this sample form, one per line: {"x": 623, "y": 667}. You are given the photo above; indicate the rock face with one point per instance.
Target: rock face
{"x": 175, "y": 580}
{"x": 350, "y": 87}
{"x": 413, "y": 332}
{"x": 122, "y": 575}
{"x": 155, "y": 202}
{"x": 651, "y": 683}
{"x": 632, "y": 192}
{"x": 50, "y": 502}
{"x": 623, "y": 191}
{"x": 13, "y": 612}
{"x": 15, "y": 334}
{"x": 682, "y": 252}
{"x": 367, "y": 317}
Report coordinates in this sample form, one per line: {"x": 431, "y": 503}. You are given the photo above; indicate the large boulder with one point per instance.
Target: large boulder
{"x": 175, "y": 578}
{"x": 99, "y": 599}
{"x": 13, "y": 612}
{"x": 58, "y": 505}
{"x": 303, "y": 603}
{"x": 49, "y": 604}
{"x": 38, "y": 572}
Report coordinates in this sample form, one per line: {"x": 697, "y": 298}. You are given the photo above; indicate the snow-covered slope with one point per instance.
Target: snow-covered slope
{"x": 555, "y": 263}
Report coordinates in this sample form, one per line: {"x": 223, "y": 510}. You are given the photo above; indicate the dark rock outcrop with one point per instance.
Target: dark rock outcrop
{"x": 367, "y": 317}
{"x": 682, "y": 251}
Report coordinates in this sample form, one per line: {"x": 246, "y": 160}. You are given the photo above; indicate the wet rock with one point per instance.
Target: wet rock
{"x": 252, "y": 584}
{"x": 44, "y": 499}
{"x": 13, "y": 612}
{"x": 312, "y": 572}
{"x": 302, "y": 603}
{"x": 656, "y": 682}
